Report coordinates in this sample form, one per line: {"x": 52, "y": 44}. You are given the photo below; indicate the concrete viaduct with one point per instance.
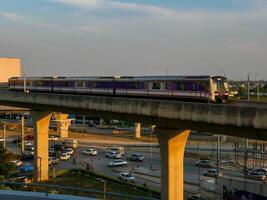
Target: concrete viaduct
{"x": 173, "y": 120}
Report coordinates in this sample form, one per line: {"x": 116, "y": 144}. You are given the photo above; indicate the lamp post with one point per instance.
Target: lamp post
{"x": 258, "y": 90}
{"x": 105, "y": 187}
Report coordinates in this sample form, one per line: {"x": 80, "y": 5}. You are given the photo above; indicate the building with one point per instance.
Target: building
{"x": 9, "y": 67}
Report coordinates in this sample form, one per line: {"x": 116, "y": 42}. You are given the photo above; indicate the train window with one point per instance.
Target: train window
{"x": 79, "y": 84}
{"x": 156, "y": 86}
{"x": 180, "y": 86}
{"x": 168, "y": 86}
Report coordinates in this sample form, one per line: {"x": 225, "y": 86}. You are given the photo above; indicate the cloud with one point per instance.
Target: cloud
{"x": 126, "y": 6}
{"x": 11, "y": 16}
{"x": 81, "y": 3}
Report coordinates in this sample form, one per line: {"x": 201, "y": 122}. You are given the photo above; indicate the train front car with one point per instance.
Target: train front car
{"x": 220, "y": 88}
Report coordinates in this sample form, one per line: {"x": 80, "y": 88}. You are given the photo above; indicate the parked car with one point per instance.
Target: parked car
{"x": 26, "y": 168}
{"x": 263, "y": 170}
{"x": 196, "y": 197}
{"x": 52, "y": 160}
{"x": 27, "y": 156}
{"x": 52, "y": 138}
{"x": 119, "y": 150}
{"x": 69, "y": 151}
{"x": 58, "y": 147}
{"x": 113, "y": 154}
{"x": 16, "y": 140}
{"x": 117, "y": 163}
{"x": 29, "y": 146}
{"x": 51, "y": 151}
{"x": 18, "y": 163}
{"x": 136, "y": 157}
{"x": 1, "y": 139}
{"x": 205, "y": 163}
{"x": 212, "y": 173}
{"x": 64, "y": 156}
{"x": 257, "y": 175}
{"x": 126, "y": 177}
{"x": 90, "y": 152}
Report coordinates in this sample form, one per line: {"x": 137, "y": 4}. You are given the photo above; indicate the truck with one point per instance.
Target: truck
{"x": 71, "y": 143}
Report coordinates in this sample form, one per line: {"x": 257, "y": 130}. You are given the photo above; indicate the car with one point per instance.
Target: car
{"x": 126, "y": 177}
{"x": 113, "y": 154}
{"x": 263, "y": 170}
{"x": 117, "y": 163}
{"x": 26, "y": 168}
{"x": 27, "y": 156}
{"x": 257, "y": 175}
{"x": 69, "y": 151}
{"x": 58, "y": 147}
{"x": 196, "y": 197}
{"x": 212, "y": 173}
{"x": 136, "y": 157}
{"x": 90, "y": 152}
{"x": 51, "y": 151}
{"x": 1, "y": 139}
{"x": 205, "y": 163}
{"x": 52, "y": 138}
{"x": 119, "y": 150}
{"x": 16, "y": 140}
{"x": 64, "y": 156}
{"x": 18, "y": 163}
{"x": 52, "y": 160}
{"x": 30, "y": 147}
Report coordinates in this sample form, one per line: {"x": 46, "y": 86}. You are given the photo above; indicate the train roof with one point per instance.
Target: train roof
{"x": 122, "y": 78}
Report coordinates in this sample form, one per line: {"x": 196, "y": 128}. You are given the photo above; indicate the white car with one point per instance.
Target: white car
{"x": 213, "y": 173}
{"x": 117, "y": 163}
{"x": 113, "y": 154}
{"x": 52, "y": 138}
{"x": 1, "y": 139}
{"x": 64, "y": 156}
{"x": 18, "y": 163}
{"x": 90, "y": 152}
{"x": 69, "y": 151}
{"x": 126, "y": 177}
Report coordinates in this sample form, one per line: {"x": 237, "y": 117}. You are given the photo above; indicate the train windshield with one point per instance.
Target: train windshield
{"x": 220, "y": 84}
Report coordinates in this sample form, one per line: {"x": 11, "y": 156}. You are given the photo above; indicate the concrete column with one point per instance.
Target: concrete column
{"x": 62, "y": 124}
{"x": 172, "y": 145}
{"x": 137, "y": 130}
{"x": 41, "y": 122}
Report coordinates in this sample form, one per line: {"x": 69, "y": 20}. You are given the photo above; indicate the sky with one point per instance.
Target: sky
{"x": 136, "y": 37}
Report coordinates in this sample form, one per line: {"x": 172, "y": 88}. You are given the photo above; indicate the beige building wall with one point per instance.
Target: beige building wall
{"x": 9, "y": 67}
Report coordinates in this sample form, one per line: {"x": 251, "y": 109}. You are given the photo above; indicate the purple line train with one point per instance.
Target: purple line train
{"x": 192, "y": 88}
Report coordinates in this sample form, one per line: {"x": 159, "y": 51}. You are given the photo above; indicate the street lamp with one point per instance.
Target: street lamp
{"x": 105, "y": 187}
{"x": 258, "y": 90}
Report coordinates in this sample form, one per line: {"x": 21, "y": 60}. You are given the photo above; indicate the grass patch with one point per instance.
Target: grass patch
{"x": 82, "y": 179}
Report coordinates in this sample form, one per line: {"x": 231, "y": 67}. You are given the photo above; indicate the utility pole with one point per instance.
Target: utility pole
{"x": 248, "y": 86}
{"x": 4, "y": 145}
{"x": 258, "y": 89}
{"x": 22, "y": 135}
{"x": 24, "y": 78}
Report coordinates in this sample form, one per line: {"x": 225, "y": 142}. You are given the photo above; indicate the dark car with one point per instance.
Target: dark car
{"x": 136, "y": 157}
{"x": 59, "y": 147}
{"x": 27, "y": 156}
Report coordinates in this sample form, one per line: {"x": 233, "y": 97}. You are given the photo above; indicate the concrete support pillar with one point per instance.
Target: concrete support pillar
{"x": 63, "y": 124}
{"x": 137, "y": 130}
{"x": 172, "y": 145}
{"x": 41, "y": 122}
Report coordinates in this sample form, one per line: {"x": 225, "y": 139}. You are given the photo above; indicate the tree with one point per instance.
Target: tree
{"x": 6, "y": 167}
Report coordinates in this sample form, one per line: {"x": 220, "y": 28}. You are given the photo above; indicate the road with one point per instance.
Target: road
{"x": 150, "y": 177}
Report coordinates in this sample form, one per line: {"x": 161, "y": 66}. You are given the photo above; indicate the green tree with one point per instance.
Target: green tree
{"x": 6, "y": 167}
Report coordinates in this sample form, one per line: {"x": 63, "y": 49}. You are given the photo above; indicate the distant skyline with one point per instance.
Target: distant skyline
{"x": 134, "y": 37}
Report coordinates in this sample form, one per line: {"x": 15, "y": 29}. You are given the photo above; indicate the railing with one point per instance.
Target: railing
{"x": 48, "y": 189}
